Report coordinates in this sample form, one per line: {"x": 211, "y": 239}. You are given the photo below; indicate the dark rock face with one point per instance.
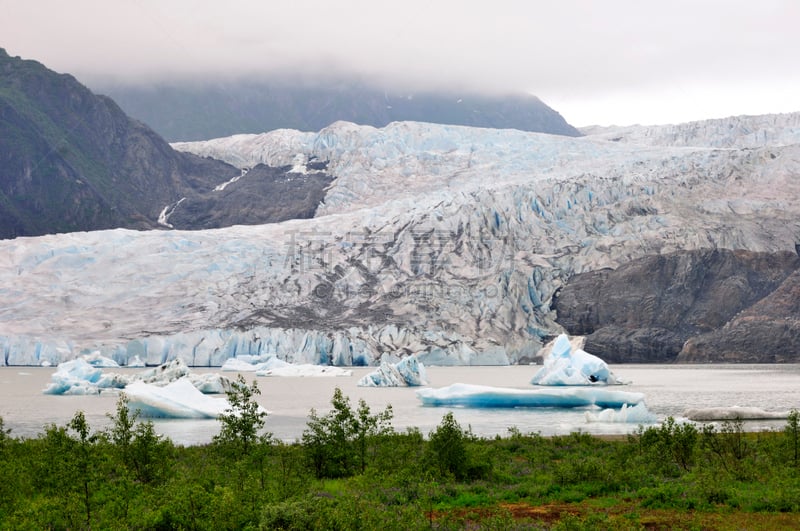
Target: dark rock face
{"x": 71, "y": 160}
{"x": 646, "y": 310}
{"x": 263, "y": 195}
{"x": 259, "y": 106}
{"x": 767, "y": 332}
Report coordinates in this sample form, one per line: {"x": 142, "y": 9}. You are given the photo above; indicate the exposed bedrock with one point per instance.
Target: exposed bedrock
{"x": 729, "y": 305}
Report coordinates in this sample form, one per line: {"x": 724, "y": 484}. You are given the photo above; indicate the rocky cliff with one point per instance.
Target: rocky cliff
{"x": 705, "y": 305}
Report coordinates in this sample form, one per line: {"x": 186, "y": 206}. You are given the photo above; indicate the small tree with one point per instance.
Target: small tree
{"x": 448, "y": 447}
{"x": 243, "y": 419}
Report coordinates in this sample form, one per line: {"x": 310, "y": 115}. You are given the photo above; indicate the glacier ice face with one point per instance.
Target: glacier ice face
{"x": 179, "y": 400}
{"x": 481, "y": 396}
{"x": 407, "y": 372}
{"x": 448, "y": 243}
{"x": 566, "y": 365}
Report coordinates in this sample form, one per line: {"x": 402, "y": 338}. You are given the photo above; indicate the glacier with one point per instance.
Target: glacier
{"x": 407, "y": 372}
{"x": 566, "y": 365}
{"x": 481, "y": 396}
{"x": 448, "y": 243}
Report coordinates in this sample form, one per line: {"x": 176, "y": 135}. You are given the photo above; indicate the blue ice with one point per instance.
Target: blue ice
{"x": 481, "y": 396}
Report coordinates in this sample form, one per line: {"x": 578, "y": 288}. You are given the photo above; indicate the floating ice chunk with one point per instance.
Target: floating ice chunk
{"x": 95, "y": 359}
{"x": 179, "y": 399}
{"x": 237, "y": 365}
{"x": 210, "y": 383}
{"x": 565, "y": 365}
{"x": 483, "y": 396}
{"x": 636, "y": 414}
{"x": 76, "y": 377}
{"x": 407, "y": 372}
{"x": 164, "y": 373}
{"x": 79, "y": 377}
{"x": 276, "y": 367}
{"x": 733, "y": 413}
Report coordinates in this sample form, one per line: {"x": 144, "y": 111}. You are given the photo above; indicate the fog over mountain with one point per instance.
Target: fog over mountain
{"x": 201, "y": 110}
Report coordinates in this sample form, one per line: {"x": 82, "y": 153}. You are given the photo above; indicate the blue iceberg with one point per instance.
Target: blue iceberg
{"x": 568, "y": 365}
{"x": 407, "y": 372}
{"x": 481, "y": 396}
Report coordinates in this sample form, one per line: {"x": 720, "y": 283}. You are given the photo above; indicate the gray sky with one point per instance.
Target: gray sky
{"x": 595, "y": 61}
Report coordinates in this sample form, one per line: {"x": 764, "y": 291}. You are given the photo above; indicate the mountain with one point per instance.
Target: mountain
{"x": 71, "y": 160}
{"x": 199, "y": 111}
{"x": 454, "y": 243}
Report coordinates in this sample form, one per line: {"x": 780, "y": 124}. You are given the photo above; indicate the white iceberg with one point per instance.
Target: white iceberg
{"x": 407, "y": 372}
{"x": 179, "y": 399}
{"x": 237, "y": 365}
{"x": 733, "y": 413}
{"x": 635, "y": 414}
{"x": 80, "y": 377}
{"x": 567, "y": 365}
{"x": 276, "y": 367}
{"x": 482, "y": 396}
{"x": 95, "y": 359}
{"x": 77, "y": 377}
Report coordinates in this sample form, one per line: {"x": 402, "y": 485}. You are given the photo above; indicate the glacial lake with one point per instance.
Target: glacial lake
{"x": 668, "y": 390}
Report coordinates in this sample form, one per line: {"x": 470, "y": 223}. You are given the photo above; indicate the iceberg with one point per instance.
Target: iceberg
{"x": 407, "y": 372}
{"x": 635, "y": 414}
{"x": 177, "y": 400}
{"x": 80, "y": 377}
{"x": 733, "y": 413}
{"x": 95, "y": 359}
{"x": 77, "y": 377}
{"x": 566, "y": 365}
{"x": 276, "y": 367}
{"x": 237, "y": 365}
{"x": 481, "y": 396}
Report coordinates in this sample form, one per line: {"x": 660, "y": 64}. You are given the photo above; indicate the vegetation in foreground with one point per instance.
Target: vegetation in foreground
{"x": 351, "y": 470}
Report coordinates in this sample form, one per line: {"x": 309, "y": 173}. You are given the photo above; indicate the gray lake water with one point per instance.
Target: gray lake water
{"x": 668, "y": 390}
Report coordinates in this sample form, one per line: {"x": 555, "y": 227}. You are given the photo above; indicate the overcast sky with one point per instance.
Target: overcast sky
{"x": 595, "y": 61}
